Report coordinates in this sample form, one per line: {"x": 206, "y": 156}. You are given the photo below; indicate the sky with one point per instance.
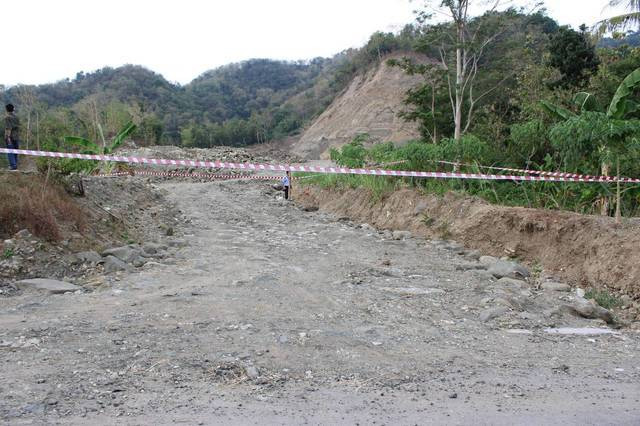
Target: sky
{"x": 49, "y": 40}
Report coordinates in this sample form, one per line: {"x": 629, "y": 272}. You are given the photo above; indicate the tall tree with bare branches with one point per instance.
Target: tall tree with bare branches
{"x": 460, "y": 45}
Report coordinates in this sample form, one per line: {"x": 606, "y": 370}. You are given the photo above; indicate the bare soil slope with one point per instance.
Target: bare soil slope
{"x": 369, "y": 105}
{"x": 588, "y": 251}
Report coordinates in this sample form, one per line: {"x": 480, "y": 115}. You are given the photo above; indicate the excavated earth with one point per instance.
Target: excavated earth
{"x": 263, "y": 311}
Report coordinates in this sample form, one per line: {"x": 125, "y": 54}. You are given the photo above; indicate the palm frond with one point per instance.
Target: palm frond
{"x": 617, "y": 23}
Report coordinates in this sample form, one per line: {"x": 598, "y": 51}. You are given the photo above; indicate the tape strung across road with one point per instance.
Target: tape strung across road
{"x": 315, "y": 169}
{"x": 189, "y": 175}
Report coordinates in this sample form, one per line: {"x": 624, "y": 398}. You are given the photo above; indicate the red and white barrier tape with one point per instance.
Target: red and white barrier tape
{"x": 538, "y": 172}
{"x": 525, "y": 171}
{"x": 314, "y": 169}
{"x": 189, "y": 175}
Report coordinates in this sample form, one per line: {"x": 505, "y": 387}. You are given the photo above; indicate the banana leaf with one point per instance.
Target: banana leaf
{"x": 83, "y": 143}
{"x": 619, "y": 106}
{"x": 117, "y": 141}
{"x": 556, "y": 111}
{"x": 586, "y": 102}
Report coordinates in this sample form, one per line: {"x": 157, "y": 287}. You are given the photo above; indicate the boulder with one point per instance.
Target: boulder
{"x": 508, "y": 269}
{"x": 23, "y": 234}
{"x": 126, "y": 253}
{"x": 511, "y": 283}
{"x": 139, "y": 262}
{"x": 488, "y": 260}
{"x": 401, "y": 235}
{"x": 113, "y": 264}
{"x": 553, "y": 286}
{"x": 493, "y": 313}
{"x": 153, "y": 248}
{"x": 88, "y": 257}
{"x": 589, "y": 309}
{"x": 47, "y": 286}
{"x": 413, "y": 291}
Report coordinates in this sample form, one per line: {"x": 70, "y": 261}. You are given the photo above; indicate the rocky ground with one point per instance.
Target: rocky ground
{"x": 257, "y": 311}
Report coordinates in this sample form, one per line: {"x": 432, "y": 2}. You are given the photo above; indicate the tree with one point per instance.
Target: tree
{"x": 461, "y": 45}
{"x": 574, "y": 56}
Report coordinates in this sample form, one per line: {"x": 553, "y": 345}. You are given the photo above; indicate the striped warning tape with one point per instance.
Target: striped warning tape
{"x": 189, "y": 175}
{"x": 316, "y": 169}
{"x": 538, "y": 172}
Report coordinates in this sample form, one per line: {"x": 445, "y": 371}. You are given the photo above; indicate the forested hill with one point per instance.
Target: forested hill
{"x": 240, "y": 103}
{"x": 254, "y": 101}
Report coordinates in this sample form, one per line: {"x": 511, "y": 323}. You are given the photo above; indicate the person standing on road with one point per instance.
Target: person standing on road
{"x": 11, "y": 137}
{"x": 286, "y": 184}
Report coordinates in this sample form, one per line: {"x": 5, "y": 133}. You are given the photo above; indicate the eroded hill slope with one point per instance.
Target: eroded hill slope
{"x": 369, "y": 105}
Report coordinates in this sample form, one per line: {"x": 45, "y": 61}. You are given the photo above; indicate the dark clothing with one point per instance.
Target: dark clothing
{"x": 13, "y": 158}
{"x": 12, "y": 126}
{"x": 286, "y": 192}
{"x": 12, "y": 137}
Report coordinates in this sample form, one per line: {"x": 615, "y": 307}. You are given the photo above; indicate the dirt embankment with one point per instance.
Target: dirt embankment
{"x": 369, "y": 105}
{"x": 588, "y": 251}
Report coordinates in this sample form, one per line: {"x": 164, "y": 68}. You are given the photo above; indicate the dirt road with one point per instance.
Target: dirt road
{"x": 271, "y": 315}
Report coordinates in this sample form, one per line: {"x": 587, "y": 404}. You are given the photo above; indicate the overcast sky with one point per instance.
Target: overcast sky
{"x": 48, "y": 40}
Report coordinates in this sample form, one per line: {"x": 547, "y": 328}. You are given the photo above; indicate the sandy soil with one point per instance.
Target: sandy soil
{"x": 269, "y": 314}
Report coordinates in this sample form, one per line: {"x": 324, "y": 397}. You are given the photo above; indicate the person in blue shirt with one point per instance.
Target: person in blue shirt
{"x": 286, "y": 184}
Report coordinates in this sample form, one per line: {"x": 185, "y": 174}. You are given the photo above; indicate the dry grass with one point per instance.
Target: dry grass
{"x": 41, "y": 206}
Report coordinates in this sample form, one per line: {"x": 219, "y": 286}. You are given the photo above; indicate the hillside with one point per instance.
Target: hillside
{"x": 369, "y": 105}
{"x": 237, "y": 104}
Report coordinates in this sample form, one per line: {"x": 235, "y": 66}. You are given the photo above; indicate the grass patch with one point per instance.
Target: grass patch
{"x": 378, "y": 186}
{"x": 31, "y": 202}
{"x": 8, "y": 254}
{"x": 604, "y": 298}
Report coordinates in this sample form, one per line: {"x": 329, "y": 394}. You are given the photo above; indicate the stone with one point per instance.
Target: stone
{"x": 177, "y": 242}
{"x": 252, "y": 372}
{"x": 47, "y": 286}
{"x": 488, "y": 260}
{"x": 580, "y": 292}
{"x": 420, "y": 208}
{"x": 472, "y": 254}
{"x": 401, "y": 235}
{"x": 23, "y": 234}
{"x": 125, "y": 253}
{"x": 139, "y": 262}
{"x": 153, "y": 248}
{"x": 113, "y": 264}
{"x": 508, "y": 269}
{"x": 88, "y": 257}
{"x": 493, "y": 313}
{"x": 412, "y": 291}
{"x": 511, "y": 283}
{"x": 590, "y": 310}
{"x": 566, "y": 331}
{"x": 553, "y": 286}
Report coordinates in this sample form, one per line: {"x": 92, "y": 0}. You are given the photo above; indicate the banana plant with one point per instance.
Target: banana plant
{"x": 621, "y": 109}
{"x": 93, "y": 148}
{"x": 89, "y": 147}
